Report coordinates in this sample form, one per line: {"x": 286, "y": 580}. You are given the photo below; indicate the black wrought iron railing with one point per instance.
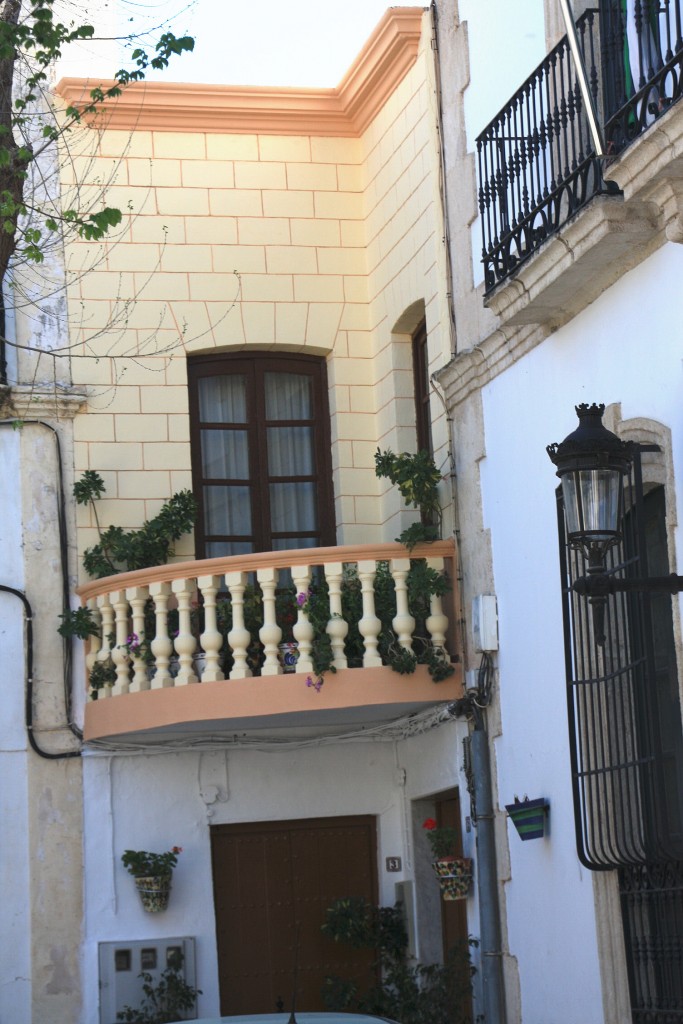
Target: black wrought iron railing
{"x": 652, "y": 913}
{"x": 642, "y": 60}
{"x": 537, "y": 162}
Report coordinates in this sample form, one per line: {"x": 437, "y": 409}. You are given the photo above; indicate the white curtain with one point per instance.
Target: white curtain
{"x": 227, "y": 510}
{"x": 223, "y": 399}
{"x": 290, "y": 453}
{"x": 225, "y": 454}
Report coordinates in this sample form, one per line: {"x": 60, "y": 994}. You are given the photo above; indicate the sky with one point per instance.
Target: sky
{"x": 242, "y": 42}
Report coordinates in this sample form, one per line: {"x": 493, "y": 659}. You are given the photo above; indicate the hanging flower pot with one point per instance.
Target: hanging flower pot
{"x": 455, "y": 877}
{"x": 529, "y": 817}
{"x": 152, "y": 873}
{"x": 154, "y": 892}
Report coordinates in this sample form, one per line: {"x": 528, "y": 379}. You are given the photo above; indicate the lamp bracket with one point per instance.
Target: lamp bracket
{"x": 601, "y": 584}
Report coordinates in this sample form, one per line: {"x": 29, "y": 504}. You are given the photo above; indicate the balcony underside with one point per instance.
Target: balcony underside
{"x": 349, "y": 700}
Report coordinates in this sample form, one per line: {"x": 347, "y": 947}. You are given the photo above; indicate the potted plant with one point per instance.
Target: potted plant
{"x": 453, "y": 872}
{"x": 152, "y": 873}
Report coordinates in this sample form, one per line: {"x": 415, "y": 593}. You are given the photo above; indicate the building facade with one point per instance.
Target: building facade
{"x": 430, "y": 256}
{"x": 268, "y": 317}
{"x": 564, "y": 271}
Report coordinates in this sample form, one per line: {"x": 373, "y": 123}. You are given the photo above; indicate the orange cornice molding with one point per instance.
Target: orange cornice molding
{"x": 383, "y": 62}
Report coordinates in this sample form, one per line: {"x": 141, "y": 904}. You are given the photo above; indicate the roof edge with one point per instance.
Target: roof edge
{"x": 346, "y": 110}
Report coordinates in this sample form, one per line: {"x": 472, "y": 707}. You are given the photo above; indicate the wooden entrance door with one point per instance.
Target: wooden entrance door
{"x": 453, "y": 913}
{"x": 273, "y": 882}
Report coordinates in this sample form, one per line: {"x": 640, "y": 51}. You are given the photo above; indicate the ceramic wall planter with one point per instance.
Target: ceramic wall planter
{"x": 289, "y": 655}
{"x": 455, "y": 877}
{"x": 154, "y": 892}
{"x": 529, "y": 817}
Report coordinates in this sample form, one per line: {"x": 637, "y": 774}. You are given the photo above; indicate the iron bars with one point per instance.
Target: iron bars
{"x": 642, "y": 60}
{"x": 537, "y": 163}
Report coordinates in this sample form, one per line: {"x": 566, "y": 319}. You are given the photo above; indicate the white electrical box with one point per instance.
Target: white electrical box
{"x": 121, "y": 964}
{"x": 485, "y": 623}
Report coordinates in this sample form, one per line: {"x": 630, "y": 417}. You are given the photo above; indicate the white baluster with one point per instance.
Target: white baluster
{"x": 337, "y": 627}
{"x": 437, "y": 622}
{"x": 239, "y": 636}
{"x": 270, "y": 633}
{"x": 303, "y": 630}
{"x": 369, "y": 625}
{"x": 108, "y": 638}
{"x": 185, "y": 644}
{"x": 403, "y": 622}
{"x": 211, "y": 639}
{"x": 138, "y": 598}
{"x": 162, "y": 646}
{"x": 119, "y": 654}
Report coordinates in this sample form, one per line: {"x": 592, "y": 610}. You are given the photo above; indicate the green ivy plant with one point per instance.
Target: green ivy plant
{"x": 120, "y": 550}
{"x": 417, "y": 479}
{"x": 413, "y": 994}
{"x": 103, "y": 673}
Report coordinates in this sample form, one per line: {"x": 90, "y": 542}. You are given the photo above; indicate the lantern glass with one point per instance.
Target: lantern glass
{"x": 592, "y": 501}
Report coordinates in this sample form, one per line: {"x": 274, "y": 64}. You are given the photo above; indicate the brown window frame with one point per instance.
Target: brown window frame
{"x": 423, "y": 418}
{"x": 253, "y": 366}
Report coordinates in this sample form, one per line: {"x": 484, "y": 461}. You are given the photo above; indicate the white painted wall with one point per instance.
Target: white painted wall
{"x": 625, "y": 347}
{"x": 15, "y": 929}
{"x": 155, "y": 801}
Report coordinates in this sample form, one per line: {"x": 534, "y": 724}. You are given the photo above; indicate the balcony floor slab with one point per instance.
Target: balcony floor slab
{"x": 348, "y": 699}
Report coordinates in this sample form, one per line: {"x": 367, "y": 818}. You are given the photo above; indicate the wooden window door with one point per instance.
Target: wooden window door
{"x": 273, "y": 882}
{"x": 261, "y": 464}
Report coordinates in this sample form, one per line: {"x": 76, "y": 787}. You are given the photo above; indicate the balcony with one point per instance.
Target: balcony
{"x": 538, "y": 168}
{"x": 190, "y": 650}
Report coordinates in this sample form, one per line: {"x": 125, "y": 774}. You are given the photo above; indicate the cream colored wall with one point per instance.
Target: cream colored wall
{"x": 296, "y": 243}
{"x": 406, "y": 266}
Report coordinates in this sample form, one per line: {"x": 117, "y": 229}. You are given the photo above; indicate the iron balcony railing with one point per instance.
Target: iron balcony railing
{"x": 537, "y": 162}
{"x": 642, "y": 59}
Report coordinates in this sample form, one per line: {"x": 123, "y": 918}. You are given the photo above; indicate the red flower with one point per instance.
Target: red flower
{"x": 429, "y": 824}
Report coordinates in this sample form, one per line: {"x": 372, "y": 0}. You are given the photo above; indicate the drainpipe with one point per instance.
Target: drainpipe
{"x": 487, "y": 878}
{"x": 473, "y": 707}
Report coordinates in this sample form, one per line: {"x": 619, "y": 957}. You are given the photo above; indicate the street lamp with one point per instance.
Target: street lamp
{"x": 592, "y": 463}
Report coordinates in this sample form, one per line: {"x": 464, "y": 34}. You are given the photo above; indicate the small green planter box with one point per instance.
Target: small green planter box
{"x": 529, "y": 817}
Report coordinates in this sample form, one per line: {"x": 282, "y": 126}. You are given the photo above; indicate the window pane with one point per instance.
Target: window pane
{"x": 225, "y": 454}
{"x": 223, "y": 548}
{"x": 292, "y": 508}
{"x": 292, "y": 543}
{"x": 290, "y": 451}
{"x": 227, "y": 510}
{"x": 223, "y": 399}
{"x": 288, "y": 396}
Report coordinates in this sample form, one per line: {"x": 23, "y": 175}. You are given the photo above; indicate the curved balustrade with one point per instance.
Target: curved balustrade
{"x": 224, "y": 619}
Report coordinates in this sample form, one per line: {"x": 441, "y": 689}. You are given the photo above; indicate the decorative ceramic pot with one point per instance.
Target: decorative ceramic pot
{"x": 529, "y": 817}
{"x": 289, "y": 655}
{"x": 455, "y": 877}
{"x": 154, "y": 892}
